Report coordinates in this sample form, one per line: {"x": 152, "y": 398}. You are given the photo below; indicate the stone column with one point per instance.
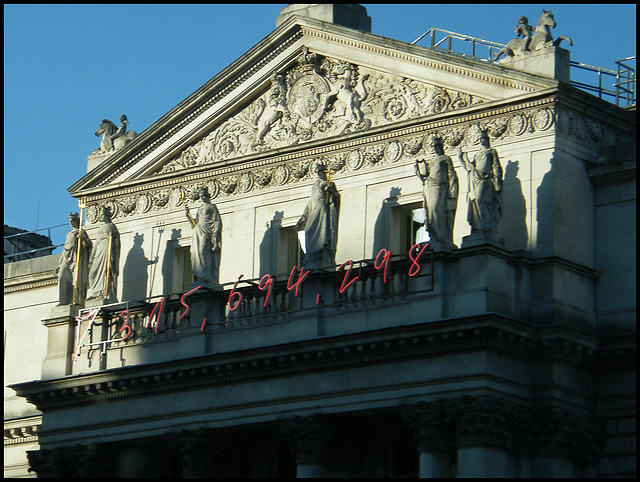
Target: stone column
{"x": 434, "y": 435}
{"x": 483, "y": 437}
{"x": 311, "y": 439}
{"x": 200, "y": 455}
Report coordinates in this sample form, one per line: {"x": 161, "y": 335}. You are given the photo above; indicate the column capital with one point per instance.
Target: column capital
{"x": 201, "y": 453}
{"x": 431, "y": 422}
{"x": 311, "y": 437}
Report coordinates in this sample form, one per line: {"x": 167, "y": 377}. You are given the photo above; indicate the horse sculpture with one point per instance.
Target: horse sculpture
{"x": 107, "y": 130}
{"x": 541, "y": 38}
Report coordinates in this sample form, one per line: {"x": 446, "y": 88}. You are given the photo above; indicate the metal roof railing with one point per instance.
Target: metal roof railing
{"x": 617, "y": 86}
{"x": 13, "y": 240}
{"x": 467, "y": 46}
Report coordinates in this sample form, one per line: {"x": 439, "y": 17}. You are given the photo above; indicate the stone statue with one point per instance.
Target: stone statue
{"x": 105, "y": 260}
{"x": 71, "y": 274}
{"x": 206, "y": 241}
{"x": 320, "y": 221}
{"x": 274, "y": 109}
{"x": 540, "y": 39}
{"x": 524, "y": 30}
{"x": 440, "y": 195}
{"x": 348, "y": 93}
{"x": 114, "y": 138}
{"x": 485, "y": 186}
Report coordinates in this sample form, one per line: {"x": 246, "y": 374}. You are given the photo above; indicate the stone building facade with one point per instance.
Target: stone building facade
{"x": 510, "y": 355}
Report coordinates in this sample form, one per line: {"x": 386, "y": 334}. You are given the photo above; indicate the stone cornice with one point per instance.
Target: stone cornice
{"x": 29, "y": 282}
{"x": 22, "y": 430}
{"x": 615, "y": 172}
{"x": 486, "y": 332}
{"x": 422, "y": 56}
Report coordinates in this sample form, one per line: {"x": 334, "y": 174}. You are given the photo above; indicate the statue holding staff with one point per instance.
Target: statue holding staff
{"x": 320, "y": 221}
{"x": 73, "y": 267}
{"x": 105, "y": 259}
{"x": 206, "y": 241}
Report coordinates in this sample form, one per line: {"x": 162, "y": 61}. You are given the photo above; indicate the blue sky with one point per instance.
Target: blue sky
{"x": 66, "y": 67}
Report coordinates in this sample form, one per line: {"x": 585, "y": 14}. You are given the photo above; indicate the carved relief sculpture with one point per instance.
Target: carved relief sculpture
{"x": 316, "y": 99}
{"x": 540, "y": 39}
{"x": 73, "y": 267}
{"x": 206, "y": 241}
{"x": 485, "y": 186}
{"x": 105, "y": 261}
{"x": 440, "y": 195}
{"x": 320, "y": 221}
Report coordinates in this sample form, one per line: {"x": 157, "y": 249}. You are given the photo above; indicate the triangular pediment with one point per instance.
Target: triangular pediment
{"x": 307, "y": 82}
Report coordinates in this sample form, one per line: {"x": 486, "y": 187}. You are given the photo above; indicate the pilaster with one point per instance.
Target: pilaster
{"x": 60, "y": 341}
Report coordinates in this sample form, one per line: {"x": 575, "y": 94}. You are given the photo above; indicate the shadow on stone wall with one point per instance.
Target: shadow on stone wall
{"x": 382, "y": 224}
{"x": 544, "y": 214}
{"x": 135, "y": 275}
{"x": 167, "y": 260}
{"x": 514, "y": 207}
{"x": 268, "y": 246}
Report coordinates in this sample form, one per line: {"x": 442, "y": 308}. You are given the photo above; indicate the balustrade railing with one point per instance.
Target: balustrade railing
{"x": 251, "y": 302}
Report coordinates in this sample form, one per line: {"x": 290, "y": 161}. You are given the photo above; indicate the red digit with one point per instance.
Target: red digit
{"x": 268, "y": 284}
{"x": 385, "y": 262}
{"x": 233, "y": 293}
{"x": 346, "y": 275}
{"x": 204, "y": 322}
{"x": 414, "y": 262}
{"x": 124, "y": 325}
{"x": 301, "y": 278}
{"x": 161, "y": 303}
{"x": 183, "y": 303}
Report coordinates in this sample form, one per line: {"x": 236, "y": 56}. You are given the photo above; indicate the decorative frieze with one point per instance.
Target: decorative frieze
{"x": 394, "y": 147}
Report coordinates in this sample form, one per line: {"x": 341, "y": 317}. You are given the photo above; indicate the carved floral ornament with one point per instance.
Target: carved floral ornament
{"x": 402, "y": 149}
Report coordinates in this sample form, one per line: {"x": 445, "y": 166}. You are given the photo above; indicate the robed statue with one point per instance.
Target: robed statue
{"x": 440, "y": 195}
{"x": 320, "y": 221}
{"x": 73, "y": 267}
{"x": 105, "y": 259}
{"x": 485, "y": 187}
{"x": 206, "y": 241}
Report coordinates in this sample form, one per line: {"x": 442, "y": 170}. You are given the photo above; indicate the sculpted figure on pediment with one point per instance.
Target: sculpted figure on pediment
{"x": 114, "y": 138}
{"x": 536, "y": 38}
{"x": 274, "y": 108}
